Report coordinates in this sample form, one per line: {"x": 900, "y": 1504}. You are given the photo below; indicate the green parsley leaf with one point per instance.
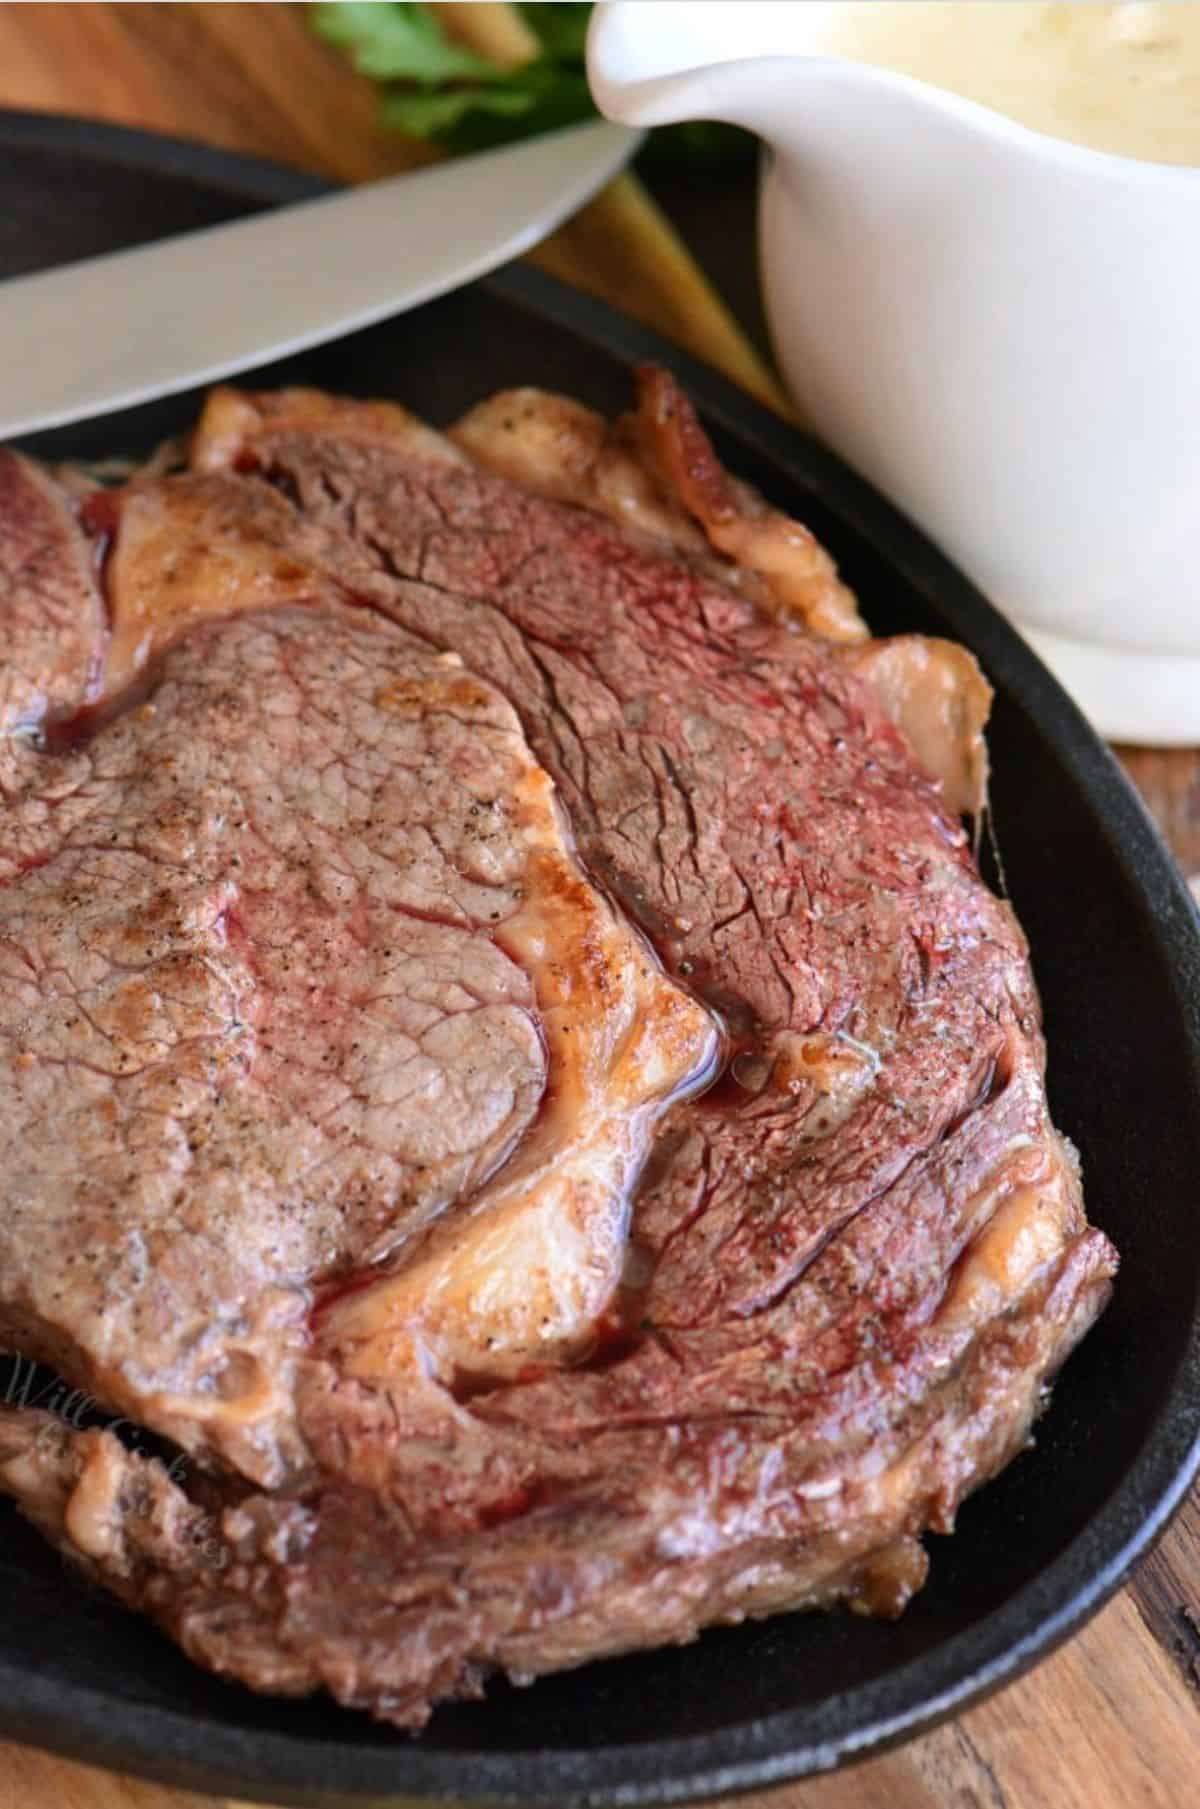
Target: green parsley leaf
{"x": 561, "y": 28}
{"x": 435, "y": 89}
{"x": 390, "y": 40}
{"x": 549, "y": 98}
{"x": 438, "y": 114}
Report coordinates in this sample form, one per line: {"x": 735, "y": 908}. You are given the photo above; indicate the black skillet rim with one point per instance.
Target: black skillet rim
{"x": 176, "y": 1748}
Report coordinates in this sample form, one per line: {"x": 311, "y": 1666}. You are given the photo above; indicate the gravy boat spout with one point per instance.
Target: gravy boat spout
{"x": 726, "y": 63}
{"x": 752, "y": 63}
{"x": 995, "y": 326}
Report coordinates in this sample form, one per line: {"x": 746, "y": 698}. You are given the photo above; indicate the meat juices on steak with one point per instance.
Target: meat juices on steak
{"x": 847, "y": 1271}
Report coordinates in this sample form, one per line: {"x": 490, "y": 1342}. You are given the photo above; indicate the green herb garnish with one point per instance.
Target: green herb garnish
{"x": 433, "y": 88}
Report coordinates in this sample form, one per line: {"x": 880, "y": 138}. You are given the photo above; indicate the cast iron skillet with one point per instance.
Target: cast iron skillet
{"x": 1117, "y": 955}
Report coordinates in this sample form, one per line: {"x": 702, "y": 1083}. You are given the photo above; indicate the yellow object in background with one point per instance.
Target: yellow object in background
{"x": 1122, "y": 78}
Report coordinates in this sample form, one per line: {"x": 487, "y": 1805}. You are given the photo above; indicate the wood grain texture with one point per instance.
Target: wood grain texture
{"x": 1169, "y": 781}
{"x": 36, "y": 1780}
{"x": 1110, "y": 1720}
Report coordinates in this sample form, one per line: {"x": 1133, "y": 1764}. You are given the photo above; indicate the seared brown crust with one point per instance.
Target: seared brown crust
{"x": 850, "y": 1269}
{"x": 52, "y": 622}
{"x": 786, "y": 570}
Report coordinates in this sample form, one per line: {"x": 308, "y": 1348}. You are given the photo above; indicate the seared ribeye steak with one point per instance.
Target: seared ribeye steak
{"x": 387, "y": 882}
{"x": 281, "y": 986}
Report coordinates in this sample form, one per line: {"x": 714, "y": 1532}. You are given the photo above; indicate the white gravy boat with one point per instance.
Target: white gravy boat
{"x": 998, "y": 328}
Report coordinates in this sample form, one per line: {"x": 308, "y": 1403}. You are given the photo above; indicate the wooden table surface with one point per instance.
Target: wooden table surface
{"x": 1112, "y": 1719}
